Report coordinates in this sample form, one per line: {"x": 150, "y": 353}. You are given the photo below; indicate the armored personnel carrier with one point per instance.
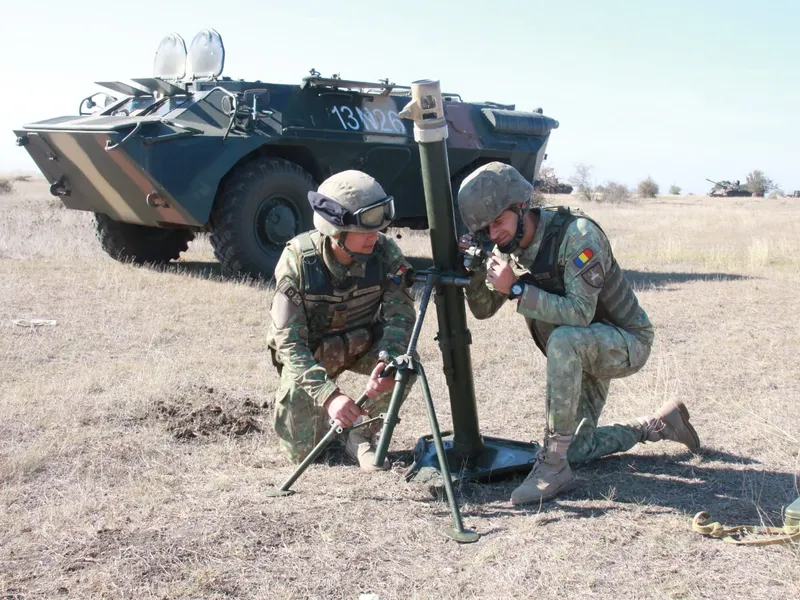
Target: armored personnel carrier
{"x": 160, "y": 158}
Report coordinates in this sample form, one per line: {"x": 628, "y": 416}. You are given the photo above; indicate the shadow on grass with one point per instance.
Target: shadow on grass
{"x": 683, "y": 483}
{"x": 640, "y": 279}
{"x": 730, "y": 487}
{"x": 648, "y": 278}
{"x": 211, "y": 271}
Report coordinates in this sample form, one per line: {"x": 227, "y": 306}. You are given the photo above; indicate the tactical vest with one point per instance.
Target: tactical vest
{"x": 335, "y": 310}
{"x": 616, "y": 304}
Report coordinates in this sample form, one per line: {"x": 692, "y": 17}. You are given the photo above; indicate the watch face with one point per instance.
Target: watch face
{"x": 516, "y": 289}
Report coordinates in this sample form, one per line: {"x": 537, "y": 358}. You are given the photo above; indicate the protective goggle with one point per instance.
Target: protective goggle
{"x": 368, "y": 217}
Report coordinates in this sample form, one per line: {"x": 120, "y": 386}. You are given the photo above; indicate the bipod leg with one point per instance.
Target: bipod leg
{"x": 457, "y": 532}
{"x": 391, "y": 419}
{"x": 283, "y": 489}
{"x": 403, "y": 364}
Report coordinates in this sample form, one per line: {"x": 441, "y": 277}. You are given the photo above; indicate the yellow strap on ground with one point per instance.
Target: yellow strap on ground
{"x": 736, "y": 535}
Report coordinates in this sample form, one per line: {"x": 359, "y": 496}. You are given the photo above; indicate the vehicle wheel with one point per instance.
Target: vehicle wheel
{"x": 263, "y": 205}
{"x": 139, "y": 243}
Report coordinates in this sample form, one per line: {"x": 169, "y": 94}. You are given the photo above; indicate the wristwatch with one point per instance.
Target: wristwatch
{"x": 517, "y": 288}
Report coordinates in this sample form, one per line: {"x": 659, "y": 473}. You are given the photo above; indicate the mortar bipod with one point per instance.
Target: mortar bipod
{"x": 404, "y": 365}
{"x": 407, "y": 364}
{"x": 336, "y": 429}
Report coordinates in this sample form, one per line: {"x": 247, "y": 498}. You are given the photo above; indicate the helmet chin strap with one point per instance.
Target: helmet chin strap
{"x": 514, "y": 243}
{"x": 359, "y": 257}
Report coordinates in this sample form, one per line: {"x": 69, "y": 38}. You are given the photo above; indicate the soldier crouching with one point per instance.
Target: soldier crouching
{"x": 339, "y": 300}
{"x": 557, "y": 265}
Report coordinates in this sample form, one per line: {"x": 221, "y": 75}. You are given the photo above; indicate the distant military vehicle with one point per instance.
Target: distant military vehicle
{"x": 558, "y": 188}
{"x": 728, "y": 189}
{"x": 161, "y": 158}
{"x": 548, "y": 182}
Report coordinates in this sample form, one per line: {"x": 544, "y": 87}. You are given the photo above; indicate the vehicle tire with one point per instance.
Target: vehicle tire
{"x": 262, "y": 205}
{"x": 138, "y": 243}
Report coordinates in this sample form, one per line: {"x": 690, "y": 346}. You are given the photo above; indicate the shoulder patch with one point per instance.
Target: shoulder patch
{"x": 397, "y": 277}
{"x": 287, "y": 289}
{"x": 583, "y": 257}
{"x": 594, "y": 275}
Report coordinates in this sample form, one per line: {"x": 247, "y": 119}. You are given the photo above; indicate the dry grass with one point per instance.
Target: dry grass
{"x": 105, "y": 493}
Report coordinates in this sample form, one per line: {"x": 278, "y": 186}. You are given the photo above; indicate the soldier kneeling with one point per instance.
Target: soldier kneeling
{"x": 558, "y": 268}
{"x": 339, "y": 300}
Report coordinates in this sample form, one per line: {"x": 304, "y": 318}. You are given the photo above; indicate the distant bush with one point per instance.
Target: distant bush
{"x": 582, "y": 181}
{"x": 760, "y": 184}
{"x": 600, "y": 189}
{"x": 22, "y": 178}
{"x": 6, "y": 186}
{"x": 615, "y": 193}
{"x": 647, "y": 188}
{"x": 777, "y": 194}
{"x": 675, "y": 190}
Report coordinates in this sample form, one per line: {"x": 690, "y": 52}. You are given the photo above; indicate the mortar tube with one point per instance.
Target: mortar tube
{"x": 430, "y": 131}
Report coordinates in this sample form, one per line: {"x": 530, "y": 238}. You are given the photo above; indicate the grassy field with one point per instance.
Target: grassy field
{"x": 136, "y": 447}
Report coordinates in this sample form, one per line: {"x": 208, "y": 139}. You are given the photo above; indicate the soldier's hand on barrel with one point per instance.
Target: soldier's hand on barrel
{"x": 378, "y": 385}
{"x": 464, "y": 242}
{"x": 341, "y": 408}
{"x": 500, "y": 274}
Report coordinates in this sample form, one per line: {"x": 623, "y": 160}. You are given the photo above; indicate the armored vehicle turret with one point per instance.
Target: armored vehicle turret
{"x": 160, "y": 158}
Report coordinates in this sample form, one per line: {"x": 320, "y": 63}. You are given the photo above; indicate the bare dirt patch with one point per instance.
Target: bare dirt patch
{"x": 205, "y": 412}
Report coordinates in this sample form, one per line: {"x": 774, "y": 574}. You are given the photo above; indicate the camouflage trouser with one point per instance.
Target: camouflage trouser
{"x": 300, "y": 424}
{"x": 581, "y": 361}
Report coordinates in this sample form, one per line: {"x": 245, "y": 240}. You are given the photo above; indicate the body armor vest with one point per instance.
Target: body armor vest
{"x": 354, "y": 303}
{"x": 616, "y": 304}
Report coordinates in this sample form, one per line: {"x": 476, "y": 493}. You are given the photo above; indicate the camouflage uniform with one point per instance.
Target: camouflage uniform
{"x": 582, "y": 355}
{"x": 312, "y": 342}
{"x": 582, "y": 314}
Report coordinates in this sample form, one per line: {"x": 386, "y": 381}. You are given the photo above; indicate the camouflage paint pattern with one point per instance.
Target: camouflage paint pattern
{"x": 176, "y": 146}
{"x": 305, "y": 381}
{"x": 461, "y": 129}
{"x": 582, "y": 357}
{"x": 105, "y": 181}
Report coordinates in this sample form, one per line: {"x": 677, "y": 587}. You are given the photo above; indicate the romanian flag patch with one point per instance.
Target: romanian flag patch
{"x": 583, "y": 258}
{"x": 398, "y": 277}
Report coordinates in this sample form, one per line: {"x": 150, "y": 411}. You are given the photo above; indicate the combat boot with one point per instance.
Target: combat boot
{"x": 670, "y": 422}
{"x": 550, "y": 475}
{"x": 360, "y": 448}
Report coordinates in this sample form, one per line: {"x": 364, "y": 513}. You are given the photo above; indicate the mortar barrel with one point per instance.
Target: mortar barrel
{"x": 430, "y": 131}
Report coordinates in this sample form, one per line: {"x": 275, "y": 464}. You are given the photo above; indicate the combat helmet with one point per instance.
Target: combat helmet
{"x": 350, "y": 201}
{"x": 487, "y": 192}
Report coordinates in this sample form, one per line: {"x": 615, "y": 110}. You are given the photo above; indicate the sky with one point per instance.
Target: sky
{"x": 676, "y": 90}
